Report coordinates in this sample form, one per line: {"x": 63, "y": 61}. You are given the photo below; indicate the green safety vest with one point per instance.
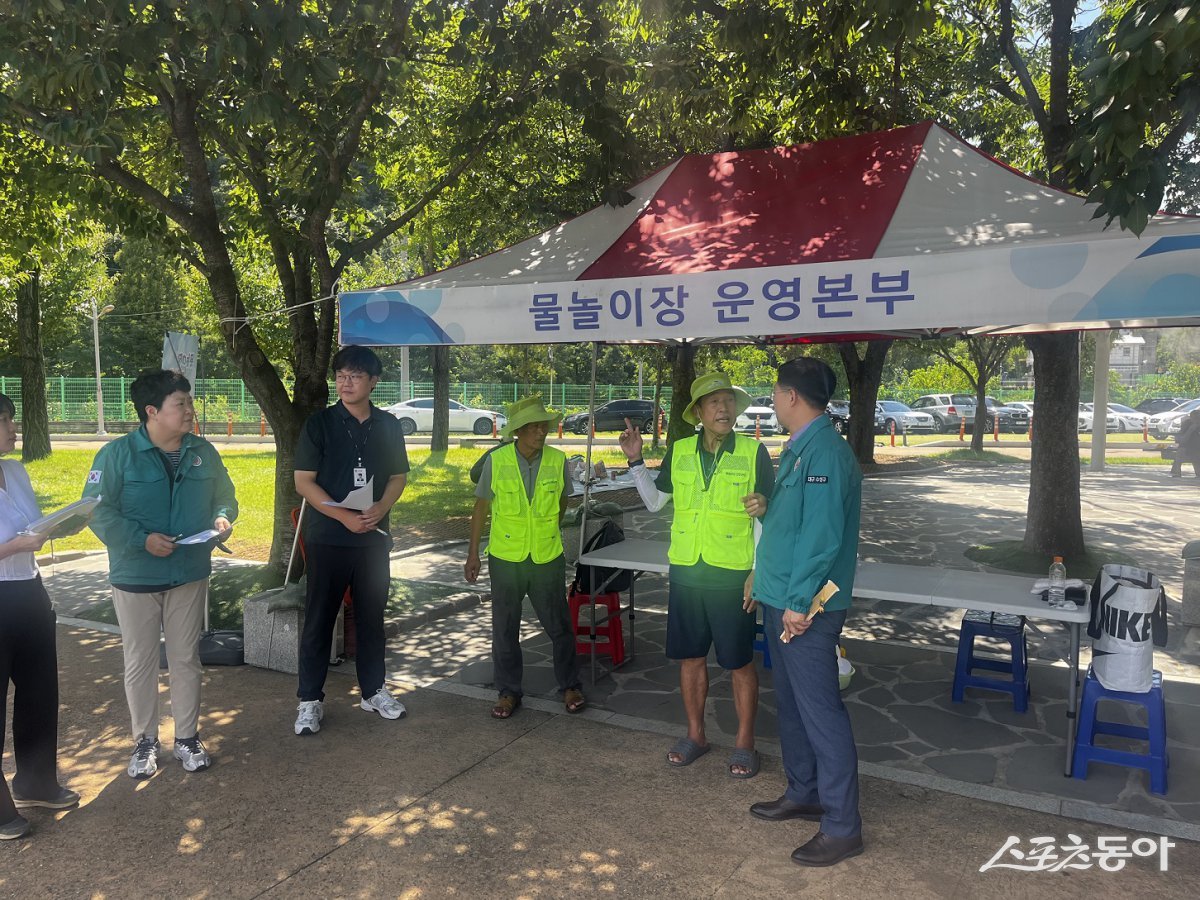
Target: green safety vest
{"x": 521, "y": 527}
{"x": 712, "y": 523}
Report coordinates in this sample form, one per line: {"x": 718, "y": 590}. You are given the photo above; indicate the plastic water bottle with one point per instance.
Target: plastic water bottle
{"x": 1058, "y": 585}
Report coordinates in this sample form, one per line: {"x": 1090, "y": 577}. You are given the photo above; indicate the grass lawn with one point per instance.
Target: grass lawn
{"x": 439, "y": 487}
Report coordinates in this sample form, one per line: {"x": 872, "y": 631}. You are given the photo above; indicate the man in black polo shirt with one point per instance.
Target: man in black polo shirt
{"x": 351, "y": 445}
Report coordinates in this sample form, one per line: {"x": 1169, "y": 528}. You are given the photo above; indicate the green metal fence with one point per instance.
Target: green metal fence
{"x": 74, "y": 399}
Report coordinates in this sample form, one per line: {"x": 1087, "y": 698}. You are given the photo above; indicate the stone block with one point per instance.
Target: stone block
{"x": 273, "y": 636}
{"x": 1190, "y": 614}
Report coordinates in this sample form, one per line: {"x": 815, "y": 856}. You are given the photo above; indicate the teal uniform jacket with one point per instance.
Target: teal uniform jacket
{"x": 810, "y": 531}
{"x": 138, "y": 499}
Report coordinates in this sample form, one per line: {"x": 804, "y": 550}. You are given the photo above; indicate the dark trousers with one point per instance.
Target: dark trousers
{"x": 331, "y": 569}
{"x": 545, "y": 586}
{"x": 1180, "y": 458}
{"x": 29, "y": 659}
{"x": 819, "y": 755}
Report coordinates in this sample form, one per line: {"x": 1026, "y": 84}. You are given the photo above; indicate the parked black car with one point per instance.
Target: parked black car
{"x": 612, "y": 415}
{"x": 839, "y": 412}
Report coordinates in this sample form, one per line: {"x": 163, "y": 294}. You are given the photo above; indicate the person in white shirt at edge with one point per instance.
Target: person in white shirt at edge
{"x": 720, "y": 481}
{"x": 28, "y": 657}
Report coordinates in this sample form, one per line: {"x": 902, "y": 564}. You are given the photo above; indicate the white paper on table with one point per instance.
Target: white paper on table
{"x": 359, "y": 498}
{"x": 200, "y": 537}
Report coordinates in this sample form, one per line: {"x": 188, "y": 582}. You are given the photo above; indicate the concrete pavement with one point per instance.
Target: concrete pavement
{"x": 449, "y": 802}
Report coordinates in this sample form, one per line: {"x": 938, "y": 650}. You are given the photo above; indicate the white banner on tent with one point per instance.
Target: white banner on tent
{"x": 1035, "y": 283}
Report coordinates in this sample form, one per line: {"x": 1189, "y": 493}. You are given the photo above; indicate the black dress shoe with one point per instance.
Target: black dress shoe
{"x": 783, "y": 809}
{"x": 824, "y": 850}
{"x": 61, "y": 798}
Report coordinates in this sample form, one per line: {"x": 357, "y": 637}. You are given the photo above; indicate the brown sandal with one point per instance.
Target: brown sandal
{"x": 574, "y": 700}
{"x": 505, "y": 706}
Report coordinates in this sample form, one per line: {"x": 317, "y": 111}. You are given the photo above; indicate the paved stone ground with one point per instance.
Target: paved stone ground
{"x": 905, "y": 723}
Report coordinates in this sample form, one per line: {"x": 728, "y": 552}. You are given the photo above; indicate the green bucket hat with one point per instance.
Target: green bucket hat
{"x": 526, "y": 410}
{"x": 709, "y": 383}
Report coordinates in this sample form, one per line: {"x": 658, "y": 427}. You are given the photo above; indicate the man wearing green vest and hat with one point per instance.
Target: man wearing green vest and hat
{"x": 525, "y": 485}
{"x": 719, "y": 481}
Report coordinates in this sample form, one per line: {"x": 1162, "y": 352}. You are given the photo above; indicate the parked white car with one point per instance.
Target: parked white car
{"x": 417, "y": 415}
{"x": 1128, "y": 418}
{"x": 1166, "y": 424}
{"x": 1086, "y": 415}
{"x": 1026, "y": 405}
{"x": 764, "y": 414}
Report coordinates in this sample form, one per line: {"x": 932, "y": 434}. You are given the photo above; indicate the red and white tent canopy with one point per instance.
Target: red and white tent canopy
{"x": 902, "y": 231}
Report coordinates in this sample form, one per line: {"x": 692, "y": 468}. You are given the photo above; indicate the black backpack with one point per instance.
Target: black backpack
{"x": 587, "y": 576}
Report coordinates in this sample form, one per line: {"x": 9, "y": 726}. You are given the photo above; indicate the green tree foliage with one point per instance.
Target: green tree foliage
{"x": 1142, "y": 104}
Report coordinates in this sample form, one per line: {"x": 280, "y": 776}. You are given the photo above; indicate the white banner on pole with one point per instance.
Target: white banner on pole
{"x": 1024, "y": 284}
{"x": 180, "y": 354}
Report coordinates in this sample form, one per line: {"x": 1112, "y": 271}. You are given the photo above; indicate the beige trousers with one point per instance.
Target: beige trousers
{"x": 178, "y": 615}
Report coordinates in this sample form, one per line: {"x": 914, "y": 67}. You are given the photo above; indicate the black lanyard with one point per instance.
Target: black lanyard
{"x": 365, "y": 428}
{"x": 707, "y": 478}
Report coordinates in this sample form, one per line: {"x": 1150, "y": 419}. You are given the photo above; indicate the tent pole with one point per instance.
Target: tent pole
{"x": 587, "y": 465}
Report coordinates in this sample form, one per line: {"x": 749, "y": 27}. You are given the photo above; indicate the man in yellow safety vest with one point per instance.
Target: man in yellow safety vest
{"x": 524, "y": 485}
{"x": 720, "y": 481}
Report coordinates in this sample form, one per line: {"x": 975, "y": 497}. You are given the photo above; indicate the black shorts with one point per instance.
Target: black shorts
{"x": 700, "y": 618}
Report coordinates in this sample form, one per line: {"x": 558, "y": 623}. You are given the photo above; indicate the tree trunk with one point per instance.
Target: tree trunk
{"x": 35, "y": 423}
{"x": 440, "y": 440}
{"x": 864, "y": 375}
{"x": 1053, "y": 525}
{"x": 979, "y": 427}
{"x": 658, "y": 385}
{"x": 682, "y": 357}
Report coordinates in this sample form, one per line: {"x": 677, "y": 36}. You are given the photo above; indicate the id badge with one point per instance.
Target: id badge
{"x": 360, "y": 476}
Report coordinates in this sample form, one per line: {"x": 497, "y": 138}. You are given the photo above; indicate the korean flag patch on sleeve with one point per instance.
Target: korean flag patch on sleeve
{"x": 94, "y": 476}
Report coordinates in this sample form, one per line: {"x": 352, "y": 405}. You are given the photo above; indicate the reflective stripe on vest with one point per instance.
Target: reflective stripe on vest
{"x": 712, "y": 523}
{"x": 521, "y": 527}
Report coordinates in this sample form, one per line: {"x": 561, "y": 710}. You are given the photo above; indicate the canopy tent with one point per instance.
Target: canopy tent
{"x": 905, "y": 231}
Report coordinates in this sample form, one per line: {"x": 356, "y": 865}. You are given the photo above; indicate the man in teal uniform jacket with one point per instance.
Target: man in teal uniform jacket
{"x": 809, "y": 537}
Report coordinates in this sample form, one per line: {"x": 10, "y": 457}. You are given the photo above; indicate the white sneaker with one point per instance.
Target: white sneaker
{"x": 308, "y": 721}
{"x": 192, "y": 754}
{"x": 144, "y": 761}
{"x": 384, "y": 704}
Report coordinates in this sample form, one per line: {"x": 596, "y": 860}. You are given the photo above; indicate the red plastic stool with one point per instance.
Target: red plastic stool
{"x": 610, "y": 629}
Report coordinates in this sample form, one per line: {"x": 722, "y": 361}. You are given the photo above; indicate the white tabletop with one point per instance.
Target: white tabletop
{"x": 918, "y": 585}
{"x": 632, "y": 553}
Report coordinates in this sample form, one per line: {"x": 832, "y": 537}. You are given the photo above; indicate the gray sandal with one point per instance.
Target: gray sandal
{"x": 688, "y": 750}
{"x": 749, "y": 759}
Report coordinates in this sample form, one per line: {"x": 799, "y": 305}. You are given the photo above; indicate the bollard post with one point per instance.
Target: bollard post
{"x": 996, "y": 429}
{"x": 962, "y": 428}
{"x": 758, "y": 428}
{"x": 658, "y": 425}
{"x": 904, "y": 435}
{"x": 229, "y": 424}
{"x": 1145, "y": 430}
{"x": 560, "y": 428}
{"x": 892, "y": 430}
{"x": 195, "y": 426}
{"x": 1030, "y": 431}
{"x": 262, "y": 425}
{"x": 494, "y": 431}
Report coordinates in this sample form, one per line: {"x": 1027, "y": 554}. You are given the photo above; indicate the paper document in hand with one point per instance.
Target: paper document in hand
{"x": 359, "y": 498}
{"x": 200, "y": 537}
{"x": 68, "y": 520}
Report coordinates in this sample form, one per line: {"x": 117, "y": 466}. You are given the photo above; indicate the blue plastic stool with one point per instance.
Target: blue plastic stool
{"x": 976, "y": 623}
{"x": 760, "y": 643}
{"x": 1155, "y": 762}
